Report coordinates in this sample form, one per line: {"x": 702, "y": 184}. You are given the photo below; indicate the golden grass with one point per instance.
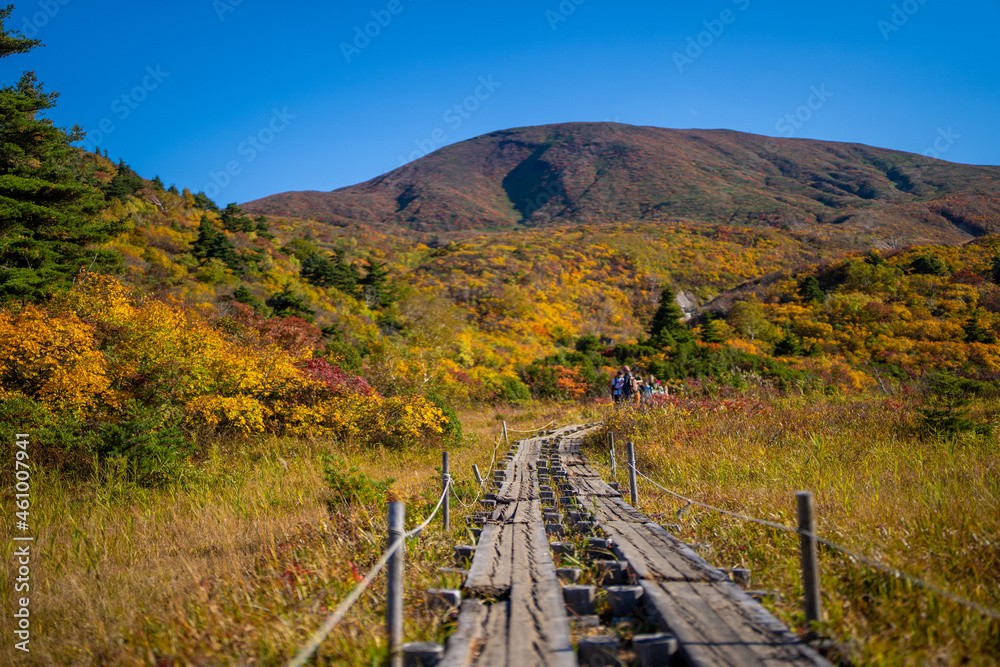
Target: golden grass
{"x": 243, "y": 561}
{"x": 928, "y": 506}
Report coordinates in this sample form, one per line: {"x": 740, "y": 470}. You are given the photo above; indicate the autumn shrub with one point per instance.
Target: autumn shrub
{"x": 112, "y": 373}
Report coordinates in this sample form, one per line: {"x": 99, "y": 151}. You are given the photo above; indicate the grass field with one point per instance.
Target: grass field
{"x": 928, "y": 505}
{"x": 247, "y": 557}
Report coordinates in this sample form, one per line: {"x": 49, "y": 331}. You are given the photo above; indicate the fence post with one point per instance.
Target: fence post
{"x": 810, "y": 563}
{"x": 445, "y": 478}
{"x": 614, "y": 459}
{"x": 505, "y": 438}
{"x": 479, "y": 477}
{"x": 394, "y": 593}
{"x": 633, "y": 489}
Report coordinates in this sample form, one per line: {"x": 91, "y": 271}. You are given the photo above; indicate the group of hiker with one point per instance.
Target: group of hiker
{"x": 627, "y": 387}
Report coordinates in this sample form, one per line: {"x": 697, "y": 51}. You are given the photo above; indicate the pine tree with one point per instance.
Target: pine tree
{"x": 48, "y": 217}
{"x": 125, "y": 183}
{"x": 665, "y": 328}
{"x": 711, "y": 330}
{"x": 810, "y": 290}
{"x": 375, "y": 287}
{"x": 212, "y": 243}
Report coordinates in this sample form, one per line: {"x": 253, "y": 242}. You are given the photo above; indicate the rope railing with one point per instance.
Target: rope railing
{"x": 345, "y": 605}
{"x": 888, "y": 569}
{"x": 532, "y": 430}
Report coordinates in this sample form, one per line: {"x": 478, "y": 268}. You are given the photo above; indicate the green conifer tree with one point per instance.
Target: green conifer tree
{"x": 665, "y": 328}
{"x": 49, "y": 225}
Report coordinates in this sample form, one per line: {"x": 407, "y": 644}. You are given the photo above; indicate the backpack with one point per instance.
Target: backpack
{"x": 629, "y": 385}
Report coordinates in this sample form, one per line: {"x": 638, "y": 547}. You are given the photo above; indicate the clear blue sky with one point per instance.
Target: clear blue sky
{"x": 200, "y": 78}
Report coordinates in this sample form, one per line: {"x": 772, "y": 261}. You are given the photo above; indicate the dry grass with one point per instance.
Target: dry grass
{"x": 243, "y": 561}
{"x": 929, "y": 506}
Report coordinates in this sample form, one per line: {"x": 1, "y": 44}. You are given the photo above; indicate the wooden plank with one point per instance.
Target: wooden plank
{"x": 494, "y": 648}
{"x": 714, "y": 626}
{"x": 490, "y": 572}
{"x": 715, "y": 622}
{"x": 470, "y": 634}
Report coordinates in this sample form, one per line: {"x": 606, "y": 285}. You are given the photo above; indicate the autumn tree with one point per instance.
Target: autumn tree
{"x": 48, "y": 217}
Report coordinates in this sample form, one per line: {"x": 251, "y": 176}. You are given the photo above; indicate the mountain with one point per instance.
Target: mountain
{"x": 850, "y": 194}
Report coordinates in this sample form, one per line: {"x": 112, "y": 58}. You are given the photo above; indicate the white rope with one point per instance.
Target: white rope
{"x": 511, "y": 430}
{"x": 888, "y": 569}
{"x": 345, "y": 605}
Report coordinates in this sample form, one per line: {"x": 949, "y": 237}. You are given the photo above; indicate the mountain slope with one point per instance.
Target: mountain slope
{"x": 609, "y": 172}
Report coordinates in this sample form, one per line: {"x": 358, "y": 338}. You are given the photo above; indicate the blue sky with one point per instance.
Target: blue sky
{"x": 246, "y": 98}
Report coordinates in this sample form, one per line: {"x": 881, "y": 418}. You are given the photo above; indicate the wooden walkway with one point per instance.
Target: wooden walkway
{"x": 514, "y": 614}
{"x": 714, "y": 620}
{"x": 520, "y": 620}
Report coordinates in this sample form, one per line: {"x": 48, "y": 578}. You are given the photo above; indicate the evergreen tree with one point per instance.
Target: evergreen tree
{"x": 928, "y": 265}
{"x": 234, "y": 220}
{"x": 125, "y": 183}
{"x": 212, "y": 243}
{"x": 202, "y": 201}
{"x": 375, "y": 287}
{"x": 665, "y": 328}
{"x": 244, "y": 295}
{"x": 173, "y": 189}
{"x": 158, "y": 183}
{"x": 974, "y": 331}
{"x": 789, "y": 346}
{"x": 711, "y": 330}
{"x": 287, "y": 303}
{"x": 262, "y": 228}
{"x": 48, "y": 216}
{"x": 810, "y": 290}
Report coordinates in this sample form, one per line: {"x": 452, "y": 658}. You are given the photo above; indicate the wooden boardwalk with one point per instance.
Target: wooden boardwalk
{"x": 520, "y": 620}
{"x": 514, "y": 614}
{"x": 714, "y": 620}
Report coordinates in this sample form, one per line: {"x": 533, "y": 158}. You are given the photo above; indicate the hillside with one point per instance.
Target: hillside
{"x": 851, "y": 194}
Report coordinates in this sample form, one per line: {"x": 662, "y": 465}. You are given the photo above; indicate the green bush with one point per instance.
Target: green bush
{"x": 352, "y": 487}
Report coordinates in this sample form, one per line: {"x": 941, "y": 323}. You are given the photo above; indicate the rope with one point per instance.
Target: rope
{"x": 511, "y": 430}
{"x": 345, "y": 605}
{"x": 888, "y": 569}
{"x": 763, "y": 522}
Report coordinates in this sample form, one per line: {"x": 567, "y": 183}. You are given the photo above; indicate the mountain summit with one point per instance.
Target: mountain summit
{"x": 609, "y": 172}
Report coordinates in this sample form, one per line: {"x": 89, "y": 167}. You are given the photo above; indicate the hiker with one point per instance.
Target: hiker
{"x": 648, "y": 387}
{"x": 629, "y": 386}
{"x": 617, "y": 387}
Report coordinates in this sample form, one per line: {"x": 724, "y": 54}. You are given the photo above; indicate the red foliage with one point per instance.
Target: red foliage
{"x": 293, "y": 334}
{"x": 967, "y": 277}
{"x": 334, "y": 378}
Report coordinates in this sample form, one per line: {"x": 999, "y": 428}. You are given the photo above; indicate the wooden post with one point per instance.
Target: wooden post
{"x": 614, "y": 459}
{"x": 479, "y": 477}
{"x": 394, "y": 593}
{"x": 633, "y": 488}
{"x": 505, "y": 438}
{"x": 445, "y": 509}
{"x": 810, "y": 563}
